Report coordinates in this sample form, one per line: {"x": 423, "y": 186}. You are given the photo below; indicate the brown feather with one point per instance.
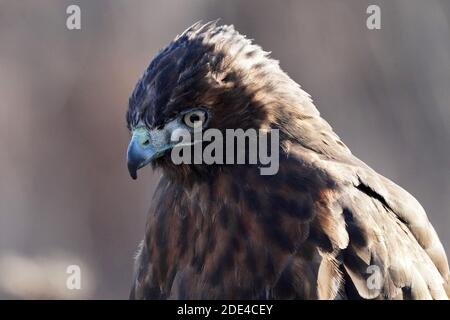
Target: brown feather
{"x": 314, "y": 230}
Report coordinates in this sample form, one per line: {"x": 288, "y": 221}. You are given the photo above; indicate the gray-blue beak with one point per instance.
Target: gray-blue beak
{"x": 141, "y": 151}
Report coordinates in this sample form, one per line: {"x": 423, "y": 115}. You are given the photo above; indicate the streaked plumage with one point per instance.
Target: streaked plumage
{"x": 309, "y": 232}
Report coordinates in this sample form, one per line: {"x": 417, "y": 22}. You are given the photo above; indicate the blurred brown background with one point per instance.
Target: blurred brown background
{"x": 65, "y": 194}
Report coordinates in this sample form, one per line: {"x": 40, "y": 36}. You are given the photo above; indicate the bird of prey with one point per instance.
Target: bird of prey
{"x": 325, "y": 226}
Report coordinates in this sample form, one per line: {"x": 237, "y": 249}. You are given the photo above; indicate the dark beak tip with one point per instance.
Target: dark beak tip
{"x": 133, "y": 171}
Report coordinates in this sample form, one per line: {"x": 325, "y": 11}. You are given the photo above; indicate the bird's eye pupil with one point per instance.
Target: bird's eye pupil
{"x": 195, "y": 118}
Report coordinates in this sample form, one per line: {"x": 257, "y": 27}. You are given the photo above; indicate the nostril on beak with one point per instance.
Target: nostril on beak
{"x": 146, "y": 142}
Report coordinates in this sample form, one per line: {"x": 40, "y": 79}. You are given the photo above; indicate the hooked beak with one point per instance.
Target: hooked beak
{"x": 141, "y": 151}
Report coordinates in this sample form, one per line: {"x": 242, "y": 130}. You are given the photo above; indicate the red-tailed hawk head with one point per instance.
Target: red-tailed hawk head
{"x": 212, "y": 74}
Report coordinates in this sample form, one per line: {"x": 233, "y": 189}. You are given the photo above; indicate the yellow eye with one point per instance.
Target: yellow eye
{"x": 195, "y": 119}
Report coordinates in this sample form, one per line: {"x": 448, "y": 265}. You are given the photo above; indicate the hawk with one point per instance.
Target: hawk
{"x": 325, "y": 226}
